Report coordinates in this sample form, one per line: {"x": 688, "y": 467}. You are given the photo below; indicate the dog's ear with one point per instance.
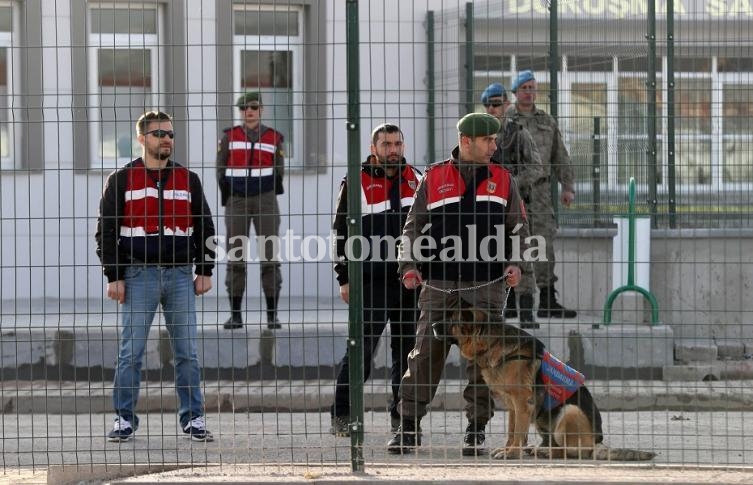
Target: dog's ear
{"x": 479, "y": 316}
{"x": 462, "y": 329}
{"x": 466, "y": 315}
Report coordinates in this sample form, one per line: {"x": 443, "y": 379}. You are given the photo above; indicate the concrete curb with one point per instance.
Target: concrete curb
{"x": 45, "y": 397}
{"x": 457, "y": 473}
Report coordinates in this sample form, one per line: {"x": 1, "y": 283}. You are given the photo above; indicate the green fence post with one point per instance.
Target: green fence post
{"x": 469, "y": 101}
{"x": 671, "y": 114}
{"x": 596, "y": 170}
{"x": 651, "y": 92}
{"x": 554, "y": 67}
{"x": 355, "y": 276}
{"x": 630, "y": 286}
{"x": 430, "y": 90}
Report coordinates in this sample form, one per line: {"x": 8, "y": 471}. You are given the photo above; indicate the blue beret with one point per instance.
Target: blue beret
{"x": 523, "y": 77}
{"x": 478, "y": 124}
{"x": 492, "y": 91}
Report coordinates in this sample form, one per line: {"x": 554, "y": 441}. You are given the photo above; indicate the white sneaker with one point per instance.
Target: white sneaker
{"x": 121, "y": 430}
{"x": 197, "y": 430}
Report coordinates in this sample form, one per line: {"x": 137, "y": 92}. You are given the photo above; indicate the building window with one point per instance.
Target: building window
{"x": 588, "y": 106}
{"x": 632, "y": 129}
{"x": 268, "y": 57}
{"x": 124, "y": 78}
{"x": 693, "y": 130}
{"x": 737, "y": 129}
{"x": 8, "y": 130}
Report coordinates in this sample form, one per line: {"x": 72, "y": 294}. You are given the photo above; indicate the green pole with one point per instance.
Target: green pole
{"x": 469, "y": 104}
{"x": 554, "y": 67}
{"x": 431, "y": 88}
{"x": 596, "y": 170}
{"x": 630, "y": 286}
{"x": 355, "y": 276}
{"x": 631, "y": 233}
{"x": 554, "y": 60}
{"x": 671, "y": 114}
{"x": 651, "y": 92}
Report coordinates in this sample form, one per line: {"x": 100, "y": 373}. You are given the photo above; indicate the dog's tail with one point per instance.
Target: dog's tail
{"x": 603, "y": 452}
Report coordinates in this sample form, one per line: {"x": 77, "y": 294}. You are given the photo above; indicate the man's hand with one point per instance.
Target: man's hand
{"x": 412, "y": 279}
{"x": 567, "y": 198}
{"x": 345, "y": 292}
{"x": 116, "y": 291}
{"x": 513, "y": 276}
{"x": 202, "y": 284}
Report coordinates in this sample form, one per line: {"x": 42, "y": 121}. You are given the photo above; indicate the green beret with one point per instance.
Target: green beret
{"x": 248, "y": 97}
{"x": 478, "y": 124}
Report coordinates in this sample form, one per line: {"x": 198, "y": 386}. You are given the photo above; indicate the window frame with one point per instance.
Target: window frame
{"x": 97, "y": 41}
{"x": 10, "y": 41}
{"x": 294, "y": 158}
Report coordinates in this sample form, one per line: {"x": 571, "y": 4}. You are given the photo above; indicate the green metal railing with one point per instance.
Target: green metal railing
{"x": 631, "y": 286}
{"x": 355, "y": 271}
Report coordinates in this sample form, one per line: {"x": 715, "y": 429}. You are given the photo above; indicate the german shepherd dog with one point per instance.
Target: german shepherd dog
{"x": 511, "y": 363}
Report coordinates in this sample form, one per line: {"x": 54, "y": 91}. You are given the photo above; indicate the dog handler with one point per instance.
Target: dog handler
{"x": 459, "y": 202}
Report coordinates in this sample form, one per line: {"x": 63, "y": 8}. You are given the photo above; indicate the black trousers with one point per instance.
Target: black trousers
{"x": 383, "y": 302}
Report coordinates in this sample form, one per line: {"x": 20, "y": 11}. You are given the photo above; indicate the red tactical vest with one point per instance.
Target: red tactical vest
{"x": 141, "y": 213}
{"x": 375, "y": 191}
{"x": 472, "y": 215}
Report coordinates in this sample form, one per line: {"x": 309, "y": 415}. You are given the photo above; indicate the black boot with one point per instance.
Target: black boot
{"x": 526, "y": 312}
{"x": 236, "y": 318}
{"x": 407, "y": 438}
{"x": 272, "y": 322}
{"x": 550, "y": 308}
{"x": 473, "y": 441}
{"x": 512, "y": 308}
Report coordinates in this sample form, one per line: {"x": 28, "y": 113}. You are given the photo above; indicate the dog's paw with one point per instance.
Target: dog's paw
{"x": 540, "y": 452}
{"x": 507, "y": 453}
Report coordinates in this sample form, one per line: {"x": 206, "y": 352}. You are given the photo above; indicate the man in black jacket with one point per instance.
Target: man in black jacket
{"x": 153, "y": 225}
{"x": 388, "y": 185}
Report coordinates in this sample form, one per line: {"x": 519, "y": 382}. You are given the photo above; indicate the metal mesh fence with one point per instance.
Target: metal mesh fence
{"x": 659, "y": 93}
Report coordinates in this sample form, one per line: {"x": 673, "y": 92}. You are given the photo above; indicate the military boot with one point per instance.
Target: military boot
{"x": 473, "y": 441}
{"x": 549, "y": 307}
{"x": 512, "y": 308}
{"x": 407, "y": 438}
{"x": 272, "y": 322}
{"x": 236, "y": 317}
{"x": 526, "y": 311}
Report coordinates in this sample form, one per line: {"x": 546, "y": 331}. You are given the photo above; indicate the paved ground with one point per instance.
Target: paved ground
{"x": 273, "y": 441}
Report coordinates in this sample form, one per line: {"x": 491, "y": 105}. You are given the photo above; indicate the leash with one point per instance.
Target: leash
{"x": 449, "y": 291}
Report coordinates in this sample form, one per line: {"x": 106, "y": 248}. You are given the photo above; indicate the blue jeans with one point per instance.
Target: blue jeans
{"x": 146, "y": 288}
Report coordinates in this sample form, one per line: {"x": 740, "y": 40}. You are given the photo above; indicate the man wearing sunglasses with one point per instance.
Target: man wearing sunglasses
{"x": 250, "y": 166}
{"x": 517, "y": 152}
{"x": 151, "y": 232}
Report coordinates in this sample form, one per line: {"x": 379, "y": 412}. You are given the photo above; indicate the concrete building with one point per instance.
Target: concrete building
{"x": 74, "y": 74}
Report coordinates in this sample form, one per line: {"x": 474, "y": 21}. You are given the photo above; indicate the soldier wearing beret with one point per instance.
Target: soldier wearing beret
{"x": 459, "y": 202}
{"x": 556, "y": 163}
{"x": 250, "y": 165}
{"x": 517, "y": 152}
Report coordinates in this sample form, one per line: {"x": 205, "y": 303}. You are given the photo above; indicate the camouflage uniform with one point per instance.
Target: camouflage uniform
{"x": 556, "y": 162}
{"x": 517, "y": 152}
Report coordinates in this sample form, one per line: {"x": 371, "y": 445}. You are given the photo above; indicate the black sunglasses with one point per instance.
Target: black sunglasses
{"x": 161, "y": 133}
{"x": 253, "y": 107}
{"x": 496, "y": 104}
